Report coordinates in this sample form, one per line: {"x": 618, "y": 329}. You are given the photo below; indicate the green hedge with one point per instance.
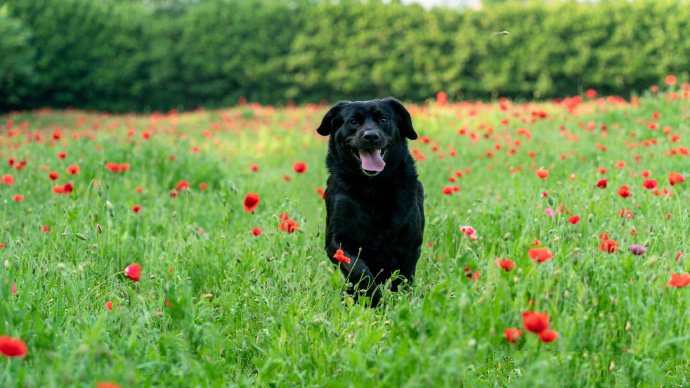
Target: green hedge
{"x": 126, "y": 55}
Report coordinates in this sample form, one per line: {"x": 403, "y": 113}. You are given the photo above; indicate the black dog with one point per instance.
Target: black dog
{"x": 374, "y": 201}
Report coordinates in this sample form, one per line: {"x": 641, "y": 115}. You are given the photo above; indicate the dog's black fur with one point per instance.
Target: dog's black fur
{"x": 378, "y": 220}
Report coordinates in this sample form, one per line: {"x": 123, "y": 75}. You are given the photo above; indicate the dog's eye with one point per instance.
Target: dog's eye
{"x": 383, "y": 119}
{"x": 354, "y": 122}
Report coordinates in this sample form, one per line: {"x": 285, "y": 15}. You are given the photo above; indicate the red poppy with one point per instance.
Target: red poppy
{"x": 675, "y": 177}
{"x": 300, "y": 167}
{"x": 340, "y": 256}
{"x": 540, "y": 255}
{"x": 289, "y": 226}
{"x": 18, "y": 198}
{"x": 448, "y": 190}
{"x": 601, "y": 184}
{"x": 257, "y": 231}
{"x": 574, "y": 220}
{"x": 591, "y": 93}
{"x": 12, "y": 347}
{"x": 136, "y": 208}
{"x": 513, "y": 335}
{"x": 506, "y": 264}
{"x": 107, "y": 384}
{"x": 109, "y": 305}
{"x": 609, "y": 246}
{"x": 45, "y": 229}
{"x": 8, "y": 180}
{"x": 535, "y": 322}
{"x": 321, "y": 192}
{"x": 670, "y": 80}
{"x": 2, "y": 245}
{"x": 53, "y": 176}
{"x": 679, "y": 280}
{"x": 251, "y": 201}
{"x": 202, "y": 186}
{"x": 283, "y": 216}
{"x": 59, "y": 189}
{"x": 254, "y": 167}
{"x": 548, "y": 336}
{"x": 649, "y": 184}
{"x": 74, "y": 169}
{"x": 624, "y": 191}
{"x": 173, "y": 193}
{"x": 542, "y": 174}
{"x": 133, "y": 271}
{"x": 182, "y": 185}
{"x": 62, "y": 155}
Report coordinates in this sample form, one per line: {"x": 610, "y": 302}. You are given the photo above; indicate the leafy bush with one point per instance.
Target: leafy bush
{"x": 158, "y": 55}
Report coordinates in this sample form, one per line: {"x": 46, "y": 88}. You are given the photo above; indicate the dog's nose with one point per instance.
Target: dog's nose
{"x": 371, "y": 135}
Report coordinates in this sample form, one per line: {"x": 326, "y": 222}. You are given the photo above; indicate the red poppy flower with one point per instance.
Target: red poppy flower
{"x": 109, "y": 305}
{"x": 59, "y": 189}
{"x": 74, "y": 169}
{"x": 202, "y": 186}
{"x": 173, "y": 193}
{"x": 2, "y": 245}
{"x": 340, "y": 256}
{"x": 182, "y": 185}
{"x": 548, "y": 336}
{"x": 62, "y": 155}
{"x": 133, "y": 271}
{"x": 609, "y": 246}
{"x": 53, "y": 176}
{"x": 45, "y": 229}
{"x": 679, "y": 280}
{"x": 300, "y": 167}
{"x": 591, "y": 93}
{"x": 321, "y": 192}
{"x": 136, "y": 208}
{"x": 542, "y": 174}
{"x": 289, "y": 226}
{"x": 257, "y": 231}
{"x": 649, "y": 184}
{"x": 574, "y": 220}
{"x": 283, "y": 216}
{"x": 601, "y": 184}
{"x": 670, "y": 80}
{"x": 8, "y": 180}
{"x": 506, "y": 264}
{"x": 251, "y": 201}
{"x": 540, "y": 255}
{"x": 624, "y": 191}
{"x": 254, "y": 167}
{"x": 18, "y": 198}
{"x": 12, "y": 347}
{"x": 107, "y": 384}
{"x": 535, "y": 322}
{"x": 513, "y": 335}
{"x": 675, "y": 177}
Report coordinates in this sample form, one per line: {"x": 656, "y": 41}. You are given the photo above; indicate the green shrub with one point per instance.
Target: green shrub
{"x": 17, "y": 72}
{"x": 158, "y": 55}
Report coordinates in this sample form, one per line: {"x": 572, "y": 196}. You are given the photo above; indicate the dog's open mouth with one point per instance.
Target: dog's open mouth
{"x": 371, "y": 160}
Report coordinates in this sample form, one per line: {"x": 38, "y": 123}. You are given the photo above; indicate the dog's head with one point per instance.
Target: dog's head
{"x": 368, "y": 135}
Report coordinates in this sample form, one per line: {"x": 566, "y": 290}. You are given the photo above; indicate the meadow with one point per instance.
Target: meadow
{"x": 585, "y": 196}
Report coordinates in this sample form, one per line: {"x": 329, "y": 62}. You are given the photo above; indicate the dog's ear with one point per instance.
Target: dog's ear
{"x": 406, "y": 128}
{"x": 327, "y": 124}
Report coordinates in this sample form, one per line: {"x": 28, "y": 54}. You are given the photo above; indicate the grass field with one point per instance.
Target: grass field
{"x": 216, "y": 305}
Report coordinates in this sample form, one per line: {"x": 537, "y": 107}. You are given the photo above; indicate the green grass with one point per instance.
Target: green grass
{"x": 269, "y": 310}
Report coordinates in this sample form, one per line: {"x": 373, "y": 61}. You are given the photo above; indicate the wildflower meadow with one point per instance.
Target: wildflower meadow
{"x": 187, "y": 248}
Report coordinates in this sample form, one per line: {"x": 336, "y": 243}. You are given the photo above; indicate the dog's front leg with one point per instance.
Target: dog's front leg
{"x": 357, "y": 274}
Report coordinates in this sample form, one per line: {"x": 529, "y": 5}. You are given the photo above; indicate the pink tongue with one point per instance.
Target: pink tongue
{"x": 371, "y": 160}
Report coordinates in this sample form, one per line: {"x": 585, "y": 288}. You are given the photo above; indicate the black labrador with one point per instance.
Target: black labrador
{"x": 374, "y": 201}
